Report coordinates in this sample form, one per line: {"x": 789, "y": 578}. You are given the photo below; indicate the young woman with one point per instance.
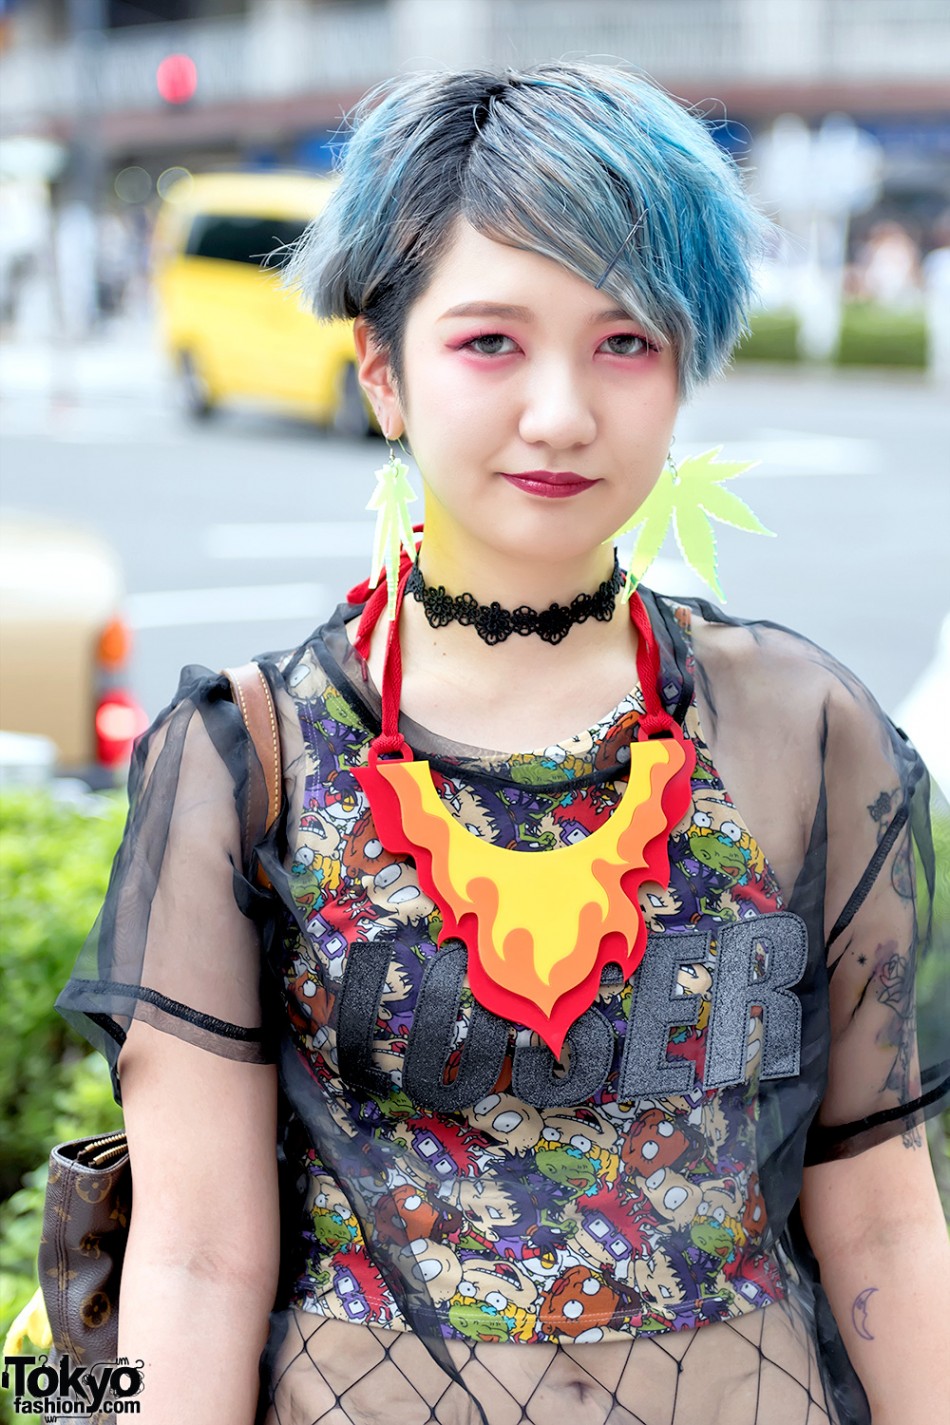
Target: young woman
{"x": 589, "y": 971}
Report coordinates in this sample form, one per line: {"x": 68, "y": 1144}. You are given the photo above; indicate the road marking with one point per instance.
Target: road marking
{"x": 352, "y": 539}
{"x": 329, "y": 539}
{"x": 797, "y": 454}
{"x": 72, "y": 426}
{"x": 244, "y": 603}
{"x": 260, "y": 603}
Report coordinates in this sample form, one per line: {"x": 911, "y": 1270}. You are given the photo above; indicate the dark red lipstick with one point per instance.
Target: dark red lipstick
{"x": 550, "y": 484}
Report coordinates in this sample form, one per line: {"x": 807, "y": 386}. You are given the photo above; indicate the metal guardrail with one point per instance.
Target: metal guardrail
{"x": 745, "y": 40}
{"x": 287, "y": 51}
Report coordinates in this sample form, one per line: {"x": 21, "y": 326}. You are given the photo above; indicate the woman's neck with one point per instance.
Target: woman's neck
{"x": 490, "y": 574}
{"x": 523, "y": 692}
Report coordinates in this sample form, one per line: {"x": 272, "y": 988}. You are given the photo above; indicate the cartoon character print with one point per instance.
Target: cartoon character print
{"x": 753, "y": 1211}
{"x": 407, "y": 1215}
{"x": 613, "y": 748}
{"x": 611, "y": 1233}
{"x": 755, "y": 1282}
{"x": 333, "y": 1237}
{"x": 436, "y": 1265}
{"x": 333, "y": 1224}
{"x": 315, "y": 870}
{"x": 394, "y": 1021}
{"x": 536, "y": 834}
{"x": 576, "y": 817}
{"x": 673, "y": 1196}
{"x": 484, "y": 812}
{"x": 522, "y": 1224}
{"x": 394, "y": 891}
{"x": 716, "y": 1132}
{"x": 494, "y": 1301}
{"x": 506, "y": 1120}
{"x": 479, "y": 817}
{"x": 361, "y": 1292}
{"x": 717, "y": 1228}
{"x": 342, "y": 802}
{"x": 661, "y": 1289}
{"x": 578, "y": 1305}
{"x": 342, "y": 711}
{"x": 667, "y": 903}
{"x": 443, "y": 1149}
{"x": 572, "y": 757}
{"x": 365, "y": 853}
{"x": 755, "y": 1032}
{"x": 576, "y": 1151}
{"x": 488, "y": 1208}
{"x": 309, "y": 1004}
{"x": 306, "y": 679}
{"x": 658, "y": 1139}
{"x": 732, "y": 868}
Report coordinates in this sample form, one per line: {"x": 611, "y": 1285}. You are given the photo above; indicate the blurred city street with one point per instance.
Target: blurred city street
{"x": 156, "y": 156}
{"x": 224, "y": 554}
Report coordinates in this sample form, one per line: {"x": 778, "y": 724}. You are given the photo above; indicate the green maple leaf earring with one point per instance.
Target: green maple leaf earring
{"x": 691, "y": 495}
{"x": 393, "y": 531}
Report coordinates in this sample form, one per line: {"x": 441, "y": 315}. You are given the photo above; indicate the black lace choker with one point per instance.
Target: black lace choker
{"x": 493, "y": 624}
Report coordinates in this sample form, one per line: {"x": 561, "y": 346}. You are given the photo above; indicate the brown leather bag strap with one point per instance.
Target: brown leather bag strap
{"x": 253, "y": 697}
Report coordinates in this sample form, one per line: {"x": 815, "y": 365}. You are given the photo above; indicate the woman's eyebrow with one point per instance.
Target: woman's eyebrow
{"x": 488, "y": 309}
{"x": 523, "y": 314}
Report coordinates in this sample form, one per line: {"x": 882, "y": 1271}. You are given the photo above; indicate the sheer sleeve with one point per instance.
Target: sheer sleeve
{"x": 888, "y": 992}
{"x": 840, "y": 802}
{"x": 176, "y": 943}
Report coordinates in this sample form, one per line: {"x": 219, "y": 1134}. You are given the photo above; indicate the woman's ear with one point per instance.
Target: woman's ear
{"x": 376, "y": 379}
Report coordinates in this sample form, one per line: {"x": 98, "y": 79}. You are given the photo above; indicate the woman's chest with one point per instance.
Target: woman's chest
{"x": 381, "y": 999}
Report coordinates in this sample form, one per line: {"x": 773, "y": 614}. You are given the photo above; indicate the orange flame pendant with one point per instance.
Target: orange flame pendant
{"x": 539, "y": 925}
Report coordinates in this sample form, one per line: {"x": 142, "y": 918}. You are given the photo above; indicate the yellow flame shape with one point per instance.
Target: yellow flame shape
{"x": 541, "y": 914}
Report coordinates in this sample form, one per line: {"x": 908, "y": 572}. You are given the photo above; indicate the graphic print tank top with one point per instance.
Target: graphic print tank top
{"x": 509, "y": 1196}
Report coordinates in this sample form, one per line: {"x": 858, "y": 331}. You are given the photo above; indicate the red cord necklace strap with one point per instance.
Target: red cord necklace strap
{"x": 390, "y": 743}
{"x": 392, "y": 746}
{"x": 656, "y": 721}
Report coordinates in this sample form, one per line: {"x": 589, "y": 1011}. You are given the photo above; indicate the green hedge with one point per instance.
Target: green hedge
{"x": 54, "y": 868}
{"x": 773, "y": 338}
{"x": 870, "y": 336}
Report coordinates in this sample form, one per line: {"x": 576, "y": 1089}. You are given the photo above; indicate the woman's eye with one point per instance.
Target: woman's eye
{"x": 492, "y": 344}
{"x": 627, "y": 344}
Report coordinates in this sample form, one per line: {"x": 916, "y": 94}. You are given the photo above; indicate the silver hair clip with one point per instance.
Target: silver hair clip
{"x": 616, "y": 257}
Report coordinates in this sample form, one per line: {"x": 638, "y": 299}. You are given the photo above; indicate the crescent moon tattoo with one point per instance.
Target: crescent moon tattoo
{"x": 859, "y": 1313}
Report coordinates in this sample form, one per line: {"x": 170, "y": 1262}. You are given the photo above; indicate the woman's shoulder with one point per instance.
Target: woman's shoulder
{"x": 761, "y": 652}
{"x": 785, "y": 686}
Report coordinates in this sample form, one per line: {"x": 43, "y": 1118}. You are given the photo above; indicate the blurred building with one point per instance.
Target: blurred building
{"x": 272, "y": 78}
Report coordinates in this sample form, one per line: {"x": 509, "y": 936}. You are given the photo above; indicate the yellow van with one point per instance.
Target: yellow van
{"x": 233, "y": 332}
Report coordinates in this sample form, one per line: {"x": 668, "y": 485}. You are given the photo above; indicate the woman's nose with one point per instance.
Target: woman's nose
{"x": 556, "y": 411}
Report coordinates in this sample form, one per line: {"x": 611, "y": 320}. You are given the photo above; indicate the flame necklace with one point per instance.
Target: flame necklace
{"x": 539, "y": 926}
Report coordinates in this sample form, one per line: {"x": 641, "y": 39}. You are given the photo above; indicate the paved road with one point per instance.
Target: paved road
{"x": 238, "y": 535}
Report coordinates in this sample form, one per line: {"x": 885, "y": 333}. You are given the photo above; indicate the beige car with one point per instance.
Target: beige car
{"x": 64, "y": 648}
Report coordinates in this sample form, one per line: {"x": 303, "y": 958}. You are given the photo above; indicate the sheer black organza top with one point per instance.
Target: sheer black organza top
{"x": 469, "y": 1227}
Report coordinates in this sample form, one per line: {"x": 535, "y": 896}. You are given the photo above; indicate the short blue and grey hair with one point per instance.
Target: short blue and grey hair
{"x": 588, "y": 164}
